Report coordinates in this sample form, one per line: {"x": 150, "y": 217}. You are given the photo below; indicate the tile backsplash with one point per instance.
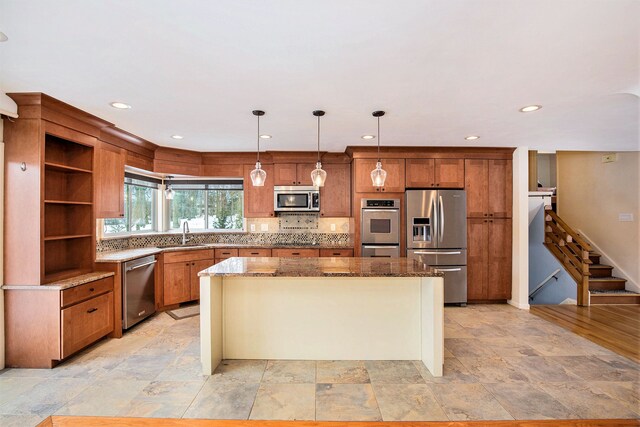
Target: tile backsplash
{"x": 286, "y": 229}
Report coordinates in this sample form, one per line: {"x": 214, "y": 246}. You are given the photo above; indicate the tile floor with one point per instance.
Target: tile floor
{"x": 501, "y": 363}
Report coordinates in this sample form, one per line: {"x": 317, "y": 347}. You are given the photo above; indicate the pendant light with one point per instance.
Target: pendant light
{"x": 168, "y": 192}
{"x": 318, "y": 175}
{"x": 378, "y": 175}
{"x": 258, "y": 176}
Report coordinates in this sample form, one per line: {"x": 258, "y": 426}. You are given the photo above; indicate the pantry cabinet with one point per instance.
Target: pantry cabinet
{"x": 489, "y": 188}
{"x": 488, "y": 259}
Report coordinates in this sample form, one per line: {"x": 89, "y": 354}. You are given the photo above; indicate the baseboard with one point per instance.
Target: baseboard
{"x": 630, "y": 285}
{"x": 518, "y": 305}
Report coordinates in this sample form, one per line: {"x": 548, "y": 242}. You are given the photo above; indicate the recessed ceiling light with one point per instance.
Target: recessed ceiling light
{"x": 368, "y": 136}
{"x": 471, "y": 137}
{"x": 530, "y": 108}
{"x": 265, "y": 136}
{"x": 177, "y": 136}
{"x": 3, "y": 37}
{"x": 120, "y": 105}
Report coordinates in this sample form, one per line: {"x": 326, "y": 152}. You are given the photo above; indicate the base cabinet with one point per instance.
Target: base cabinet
{"x": 45, "y": 326}
{"x": 488, "y": 259}
{"x": 180, "y": 270}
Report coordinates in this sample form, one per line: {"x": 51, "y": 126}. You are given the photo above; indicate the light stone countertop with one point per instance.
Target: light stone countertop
{"x": 127, "y": 254}
{"x": 319, "y": 267}
{"x": 66, "y": 283}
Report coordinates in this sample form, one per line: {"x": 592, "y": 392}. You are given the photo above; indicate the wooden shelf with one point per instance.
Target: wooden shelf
{"x": 52, "y": 276}
{"x": 67, "y": 202}
{"x": 65, "y": 168}
{"x": 69, "y": 236}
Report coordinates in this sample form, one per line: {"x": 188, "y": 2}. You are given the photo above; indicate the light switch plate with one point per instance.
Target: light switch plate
{"x": 253, "y": 227}
{"x": 625, "y": 217}
{"x": 333, "y": 227}
{"x": 264, "y": 227}
{"x": 608, "y": 158}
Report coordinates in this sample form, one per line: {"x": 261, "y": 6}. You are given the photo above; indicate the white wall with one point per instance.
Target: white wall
{"x": 520, "y": 223}
{"x": 1, "y": 244}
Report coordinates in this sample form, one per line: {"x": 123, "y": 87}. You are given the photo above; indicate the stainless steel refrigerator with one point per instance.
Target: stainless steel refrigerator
{"x": 437, "y": 236}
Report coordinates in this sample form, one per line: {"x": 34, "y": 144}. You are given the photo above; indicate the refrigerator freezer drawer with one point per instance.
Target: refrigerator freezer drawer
{"x": 439, "y": 256}
{"x": 455, "y": 283}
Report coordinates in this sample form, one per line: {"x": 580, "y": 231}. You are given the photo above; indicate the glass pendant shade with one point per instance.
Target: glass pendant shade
{"x": 378, "y": 175}
{"x": 168, "y": 193}
{"x": 318, "y": 175}
{"x": 258, "y": 176}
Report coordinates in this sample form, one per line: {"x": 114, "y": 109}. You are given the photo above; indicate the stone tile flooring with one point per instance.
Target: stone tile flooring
{"x": 501, "y": 363}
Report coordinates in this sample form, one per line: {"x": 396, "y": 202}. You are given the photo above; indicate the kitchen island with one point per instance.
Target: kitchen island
{"x": 321, "y": 309}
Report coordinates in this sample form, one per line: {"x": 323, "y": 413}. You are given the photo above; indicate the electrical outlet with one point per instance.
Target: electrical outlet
{"x": 264, "y": 227}
{"x": 625, "y": 217}
{"x": 252, "y": 227}
{"x": 608, "y": 158}
{"x": 333, "y": 227}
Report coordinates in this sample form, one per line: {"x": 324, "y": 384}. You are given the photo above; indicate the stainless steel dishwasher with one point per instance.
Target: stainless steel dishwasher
{"x": 138, "y": 290}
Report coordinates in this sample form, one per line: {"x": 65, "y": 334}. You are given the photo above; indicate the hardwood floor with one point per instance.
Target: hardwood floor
{"x": 616, "y": 327}
{"x": 62, "y": 421}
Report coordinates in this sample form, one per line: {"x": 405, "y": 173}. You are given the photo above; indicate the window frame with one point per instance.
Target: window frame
{"x": 137, "y": 180}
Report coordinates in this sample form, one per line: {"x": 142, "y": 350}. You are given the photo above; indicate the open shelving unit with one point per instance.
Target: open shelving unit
{"x": 68, "y": 209}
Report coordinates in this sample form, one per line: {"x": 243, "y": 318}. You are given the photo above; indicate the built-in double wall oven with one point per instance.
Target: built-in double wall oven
{"x": 380, "y": 228}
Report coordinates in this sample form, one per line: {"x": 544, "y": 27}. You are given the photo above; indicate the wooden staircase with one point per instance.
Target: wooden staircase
{"x": 596, "y": 285}
{"x": 604, "y": 288}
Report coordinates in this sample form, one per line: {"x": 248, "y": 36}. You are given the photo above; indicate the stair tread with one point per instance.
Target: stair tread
{"x": 594, "y": 253}
{"x": 607, "y": 279}
{"x": 600, "y": 266}
{"x": 613, "y": 292}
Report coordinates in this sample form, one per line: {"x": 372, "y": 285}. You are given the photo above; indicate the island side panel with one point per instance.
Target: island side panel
{"x": 210, "y": 323}
{"x": 324, "y": 318}
{"x": 432, "y": 296}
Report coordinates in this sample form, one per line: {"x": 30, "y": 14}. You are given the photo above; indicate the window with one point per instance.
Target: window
{"x": 206, "y": 204}
{"x": 213, "y": 205}
{"x": 140, "y": 201}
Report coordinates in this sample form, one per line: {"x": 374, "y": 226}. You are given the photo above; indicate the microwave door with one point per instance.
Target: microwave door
{"x": 293, "y": 201}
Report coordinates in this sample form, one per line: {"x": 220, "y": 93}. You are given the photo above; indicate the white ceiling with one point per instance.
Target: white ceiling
{"x": 441, "y": 69}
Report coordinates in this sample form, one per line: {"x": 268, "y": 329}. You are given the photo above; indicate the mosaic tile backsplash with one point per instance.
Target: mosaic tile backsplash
{"x": 260, "y": 239}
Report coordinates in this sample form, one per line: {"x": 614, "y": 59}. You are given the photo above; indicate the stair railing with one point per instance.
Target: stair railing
{"x": 571, "y": 250}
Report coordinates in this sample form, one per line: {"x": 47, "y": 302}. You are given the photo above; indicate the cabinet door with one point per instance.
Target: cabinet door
{"x": 335, "y": 196}
{"x": 449, "y": 173}
{"x": 285, "y": 174}
{"x": 109, "y": 181}
{"x": 499, "y": 259}
{"x": 86, "y": 322}
{"x": 258, "y": 201}
{"x": 395, "y": 175}
{"x": 420, "y": 173}
{"x": 500, "y": 188}
{"x": 477, "y": 258}
{"x": 476, "y": 186}
{"x": 303, "y": 173}
{"x": 177, "y": 282}
{"x": 197, "y": 266}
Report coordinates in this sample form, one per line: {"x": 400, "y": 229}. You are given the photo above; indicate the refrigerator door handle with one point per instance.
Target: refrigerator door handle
{"x": 444, "y": 270}
{"x": 436, "y": 253}
{"x": 441, "y": 219}
{"x": 434, "y": 219}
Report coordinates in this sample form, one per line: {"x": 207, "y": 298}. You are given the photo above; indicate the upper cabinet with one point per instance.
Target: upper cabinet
{"x": 258, "y": 201}
{"x": 395, "y": 175}
{"x": 489, "y": 188}
{"x": 335, "y": 196}
{"x": 293, "y": 173}
{"x": 110, "y": 162}
{"x": 435, "y": 173}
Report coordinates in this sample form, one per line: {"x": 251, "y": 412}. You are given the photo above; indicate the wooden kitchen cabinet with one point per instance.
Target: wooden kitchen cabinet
{"x": 180, "y": 270}
{"x": 395, "y": 182}
{"x": 489, "y": 187}
{"x": 488, "y": 259}
{"x": 287, "y": 252}
{"x": 109, "y": 188}
{"x": 254, "y": 252}
{"x": 336, "y": 252}
{"x": 434, "y": 173}
{"x": 335, "y": 196}
{"x": 258, "y": 201}
{"x": 293, "y": 173}
{"x": 86, "y": 322}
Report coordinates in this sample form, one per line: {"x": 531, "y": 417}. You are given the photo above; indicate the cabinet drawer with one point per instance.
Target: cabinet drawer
{"x": 86, "y": 322}
{"x": 281, "y": 252}
{"x": 254, "y": 252}
{"x": 183, "y": 256}
{"x": 226, "y": 253}
{"x": 88, "y": 290}
{"x": 336, "y": 252}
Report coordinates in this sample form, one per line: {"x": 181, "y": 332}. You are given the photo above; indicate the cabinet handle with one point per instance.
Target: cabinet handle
{"x": 295, "y": 253}
{"x": 91, "y": 310}
{"x": 485, "y": 220}
{"x": 490, "y": 214}
{"x": 383, "y": 189}
{"x": 255, "y": 253}
{"x": 187, "y": 264}
{"x": 336, "y": 253}
{"x": 298, "y": 182}
{"x": 91, "y": 289}
{"x": 193, "y": 263}
{"x": 490, "y": 220}
{"x": 485, "y": 214}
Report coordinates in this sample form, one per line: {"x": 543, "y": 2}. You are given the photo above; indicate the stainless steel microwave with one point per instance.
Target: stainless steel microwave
{"x": 296, "y": 199}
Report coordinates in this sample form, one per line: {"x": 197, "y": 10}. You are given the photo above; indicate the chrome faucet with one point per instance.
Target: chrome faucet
{"x": 185, "y": 231}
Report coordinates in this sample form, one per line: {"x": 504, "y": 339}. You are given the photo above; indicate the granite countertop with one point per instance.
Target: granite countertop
{"x": 319, "y": 267}
{"x": 66, "y": 283}
{"x": 129, "y": 254}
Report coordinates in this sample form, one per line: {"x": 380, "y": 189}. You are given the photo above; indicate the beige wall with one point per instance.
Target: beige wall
{"x": 592, "y": 194}
{"x": 546, "y": 169}
{"x": 1, "y": 244}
